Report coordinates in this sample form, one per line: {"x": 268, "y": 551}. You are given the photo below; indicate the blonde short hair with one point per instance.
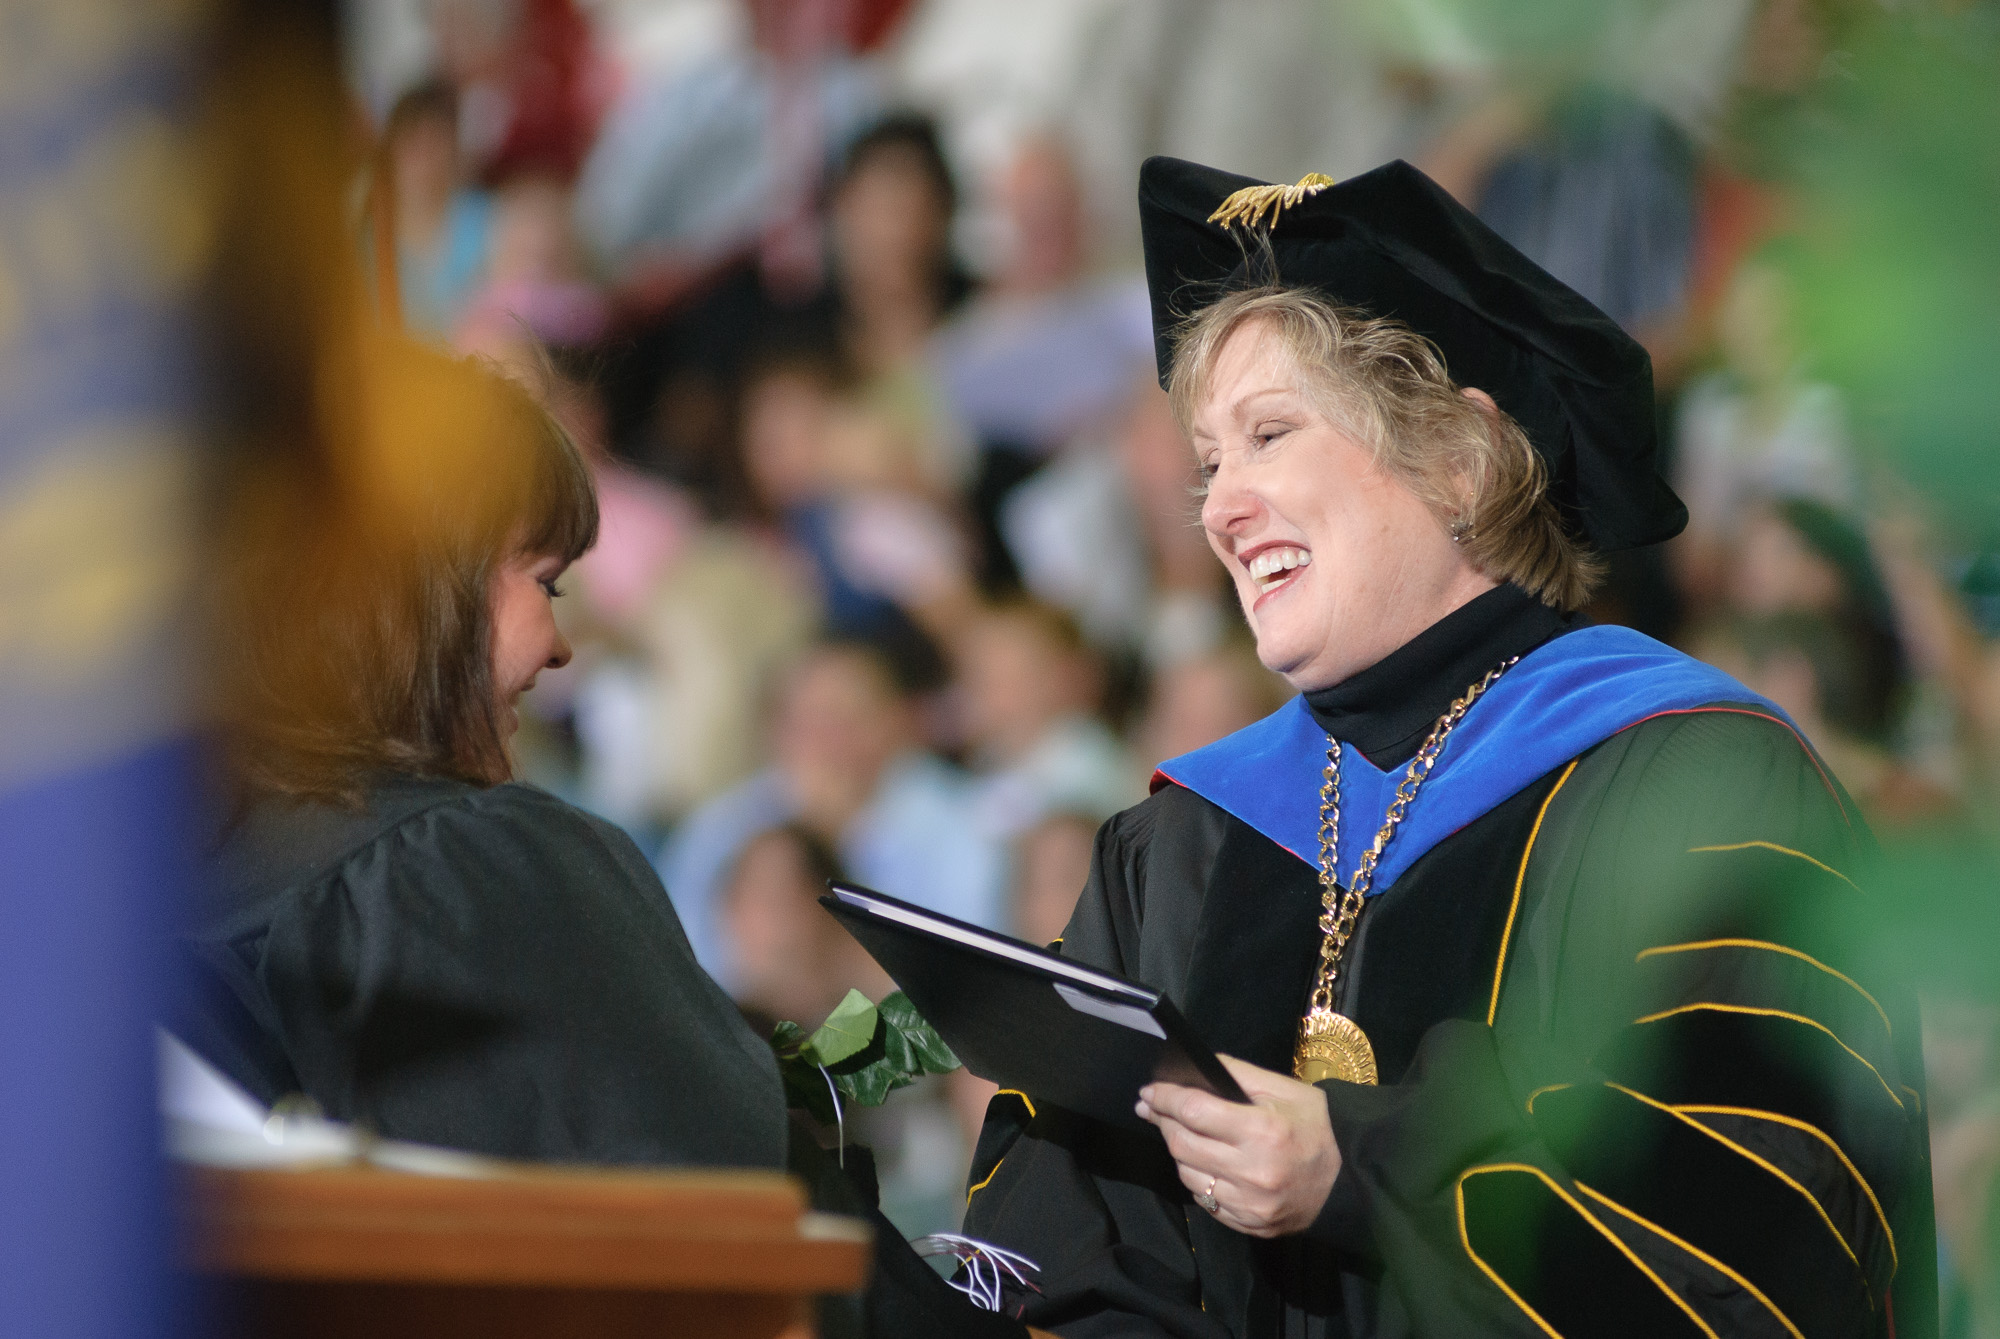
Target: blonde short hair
{"x": 1386, "y": 386}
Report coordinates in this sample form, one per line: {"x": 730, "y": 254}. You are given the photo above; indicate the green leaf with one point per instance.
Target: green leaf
{"x": 921, "y": 1039}
{"x": 847, "y": 1030}
{"x": 871, "y": 1086}
{"x": 805, "y": 1088}
{"x": 868, "y": 1052}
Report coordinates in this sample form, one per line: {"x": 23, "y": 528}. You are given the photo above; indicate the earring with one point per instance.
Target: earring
{"x": 1461, "y": 530}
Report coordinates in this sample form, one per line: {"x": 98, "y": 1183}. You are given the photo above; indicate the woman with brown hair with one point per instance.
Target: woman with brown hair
{"x": 392, "y": 926}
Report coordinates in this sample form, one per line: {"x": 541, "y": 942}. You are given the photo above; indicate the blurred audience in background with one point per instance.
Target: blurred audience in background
{"x": 1051, "y": 865}
{"x": 1030, "y": 691}
{"x": 901, "y": 572}
{"x": 1197, "y": 699}
{"x": 441, "y": 226}
{"x": 788, "y": 958}
{"x": 1754, "y": 427}
{"x": 848, "y": 763}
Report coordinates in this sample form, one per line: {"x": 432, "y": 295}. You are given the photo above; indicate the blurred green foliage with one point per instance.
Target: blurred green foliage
{"x": 1895, "y": 164}
{"x": 1937, "y": 919}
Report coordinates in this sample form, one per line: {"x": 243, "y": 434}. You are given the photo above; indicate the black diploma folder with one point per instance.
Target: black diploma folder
{"x": 1029, "y": 1019}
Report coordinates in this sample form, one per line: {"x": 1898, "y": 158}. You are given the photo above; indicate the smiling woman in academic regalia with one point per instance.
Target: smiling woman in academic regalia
{"x": 1531, "y": 940}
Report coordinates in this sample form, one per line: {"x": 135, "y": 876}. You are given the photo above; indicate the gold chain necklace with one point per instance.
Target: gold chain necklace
{"x": 1332, "y": 1045}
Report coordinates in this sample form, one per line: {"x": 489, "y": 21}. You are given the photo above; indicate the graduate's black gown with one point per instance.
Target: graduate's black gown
{"x": 496, "y": 970}
{"x": 487, "y": 969}
{"x": 1635, "y": 1079}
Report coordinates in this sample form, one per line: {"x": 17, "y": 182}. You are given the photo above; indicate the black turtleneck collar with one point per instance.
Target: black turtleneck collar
{"x": 1388, "y": 708}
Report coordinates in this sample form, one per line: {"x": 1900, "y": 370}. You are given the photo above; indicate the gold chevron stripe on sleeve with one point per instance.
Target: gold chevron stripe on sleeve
{"x": 1465, "y": 1239}
{"x": 1699, "y": 1254}
{"x": 1714, "y": 1007}
{"x": 1781, "y": 850}
{"x": 1882, "y": 1013}
{"x": 1769, "y": 1166}
{"x": 1755, "y": 1113}
{"x": 1520, "y": 877}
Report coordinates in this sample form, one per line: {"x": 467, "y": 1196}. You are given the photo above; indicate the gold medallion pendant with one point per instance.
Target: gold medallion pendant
{"x": 1333, "y": 1046}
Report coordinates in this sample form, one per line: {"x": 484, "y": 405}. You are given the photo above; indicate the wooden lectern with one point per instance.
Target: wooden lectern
{"x": 352, "y": 1251}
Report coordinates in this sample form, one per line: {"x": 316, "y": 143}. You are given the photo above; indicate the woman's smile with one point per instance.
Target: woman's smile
{"x": 1274, "y": 566}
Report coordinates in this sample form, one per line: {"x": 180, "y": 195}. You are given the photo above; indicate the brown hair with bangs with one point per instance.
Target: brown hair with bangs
{"x": 1386, "y": 386}
{"x": 355, "y": 622}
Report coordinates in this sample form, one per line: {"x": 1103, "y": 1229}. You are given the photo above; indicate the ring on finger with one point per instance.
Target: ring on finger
{"x": 1206, "y": 1199}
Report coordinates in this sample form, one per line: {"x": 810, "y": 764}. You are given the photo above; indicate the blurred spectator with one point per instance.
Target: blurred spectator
{"x": 710, "y": 153}
{"x": 1798, "y": 554}
{"x": 1044, "y": 355}
{"x": 828, "y": 471}
{"x": 891, "y": 280}
{"x": 532, "y": 83}
{"x": 1595, "y": 185}
{"x": 1113, "y": 536}
{"x": 1030, "y": 687}
{"x": 678, "y": 711}
{"x": 1051, "y": 865}
{"x": 1198, "y": 700}
{"x": 442, "y": 227}
{"x": 895, "y": 280}
{"x": 1756, "y": 428}
{"x": 1125, "y": 78}
{"x": 847, "y": 765}
{"x": 1074, "y": 534}
{"x": 535, "y": 275}
{"x": 1192, "y": 606}
{"x": 891, "y": 211}
{"x": 1812, "y": 628}
{"x": 789, "y": 960}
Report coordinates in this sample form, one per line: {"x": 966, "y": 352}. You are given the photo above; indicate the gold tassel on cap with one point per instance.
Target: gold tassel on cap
{"x": 1247, "y": 206}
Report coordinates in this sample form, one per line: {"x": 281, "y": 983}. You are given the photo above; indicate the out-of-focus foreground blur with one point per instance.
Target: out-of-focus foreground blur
{"x": 898, "y": 574}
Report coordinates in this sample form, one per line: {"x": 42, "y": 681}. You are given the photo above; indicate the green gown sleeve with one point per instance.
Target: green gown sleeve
{"x": 1692, "y": 1108}
{"x": 1689, "y": 1104}
{"x": 502, "y": 973}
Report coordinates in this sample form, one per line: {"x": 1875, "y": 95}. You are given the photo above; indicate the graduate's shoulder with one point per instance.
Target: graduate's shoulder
{"x": 517, "y": 825}
{"x": 429, "y": 839}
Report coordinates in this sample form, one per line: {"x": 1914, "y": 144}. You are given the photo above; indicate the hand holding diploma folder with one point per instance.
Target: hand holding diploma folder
{"x": 1029, "y": 1019}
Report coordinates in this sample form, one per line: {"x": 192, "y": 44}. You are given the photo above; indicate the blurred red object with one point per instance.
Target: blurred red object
{"x": 1734, "y": 215}
{"x": 782, "y": 26}
{"x": 869, "y": 22}
{"x": 535, "y": 80}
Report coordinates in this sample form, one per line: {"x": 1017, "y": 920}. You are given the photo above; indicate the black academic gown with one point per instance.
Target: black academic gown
{"x": 487, "y": 969}
{"x": 1635, "y": 1079}
{"x": 498, "y": 971}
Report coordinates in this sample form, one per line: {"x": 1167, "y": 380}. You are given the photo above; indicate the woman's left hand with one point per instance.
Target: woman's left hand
{"x": 1267, "y": 1168}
